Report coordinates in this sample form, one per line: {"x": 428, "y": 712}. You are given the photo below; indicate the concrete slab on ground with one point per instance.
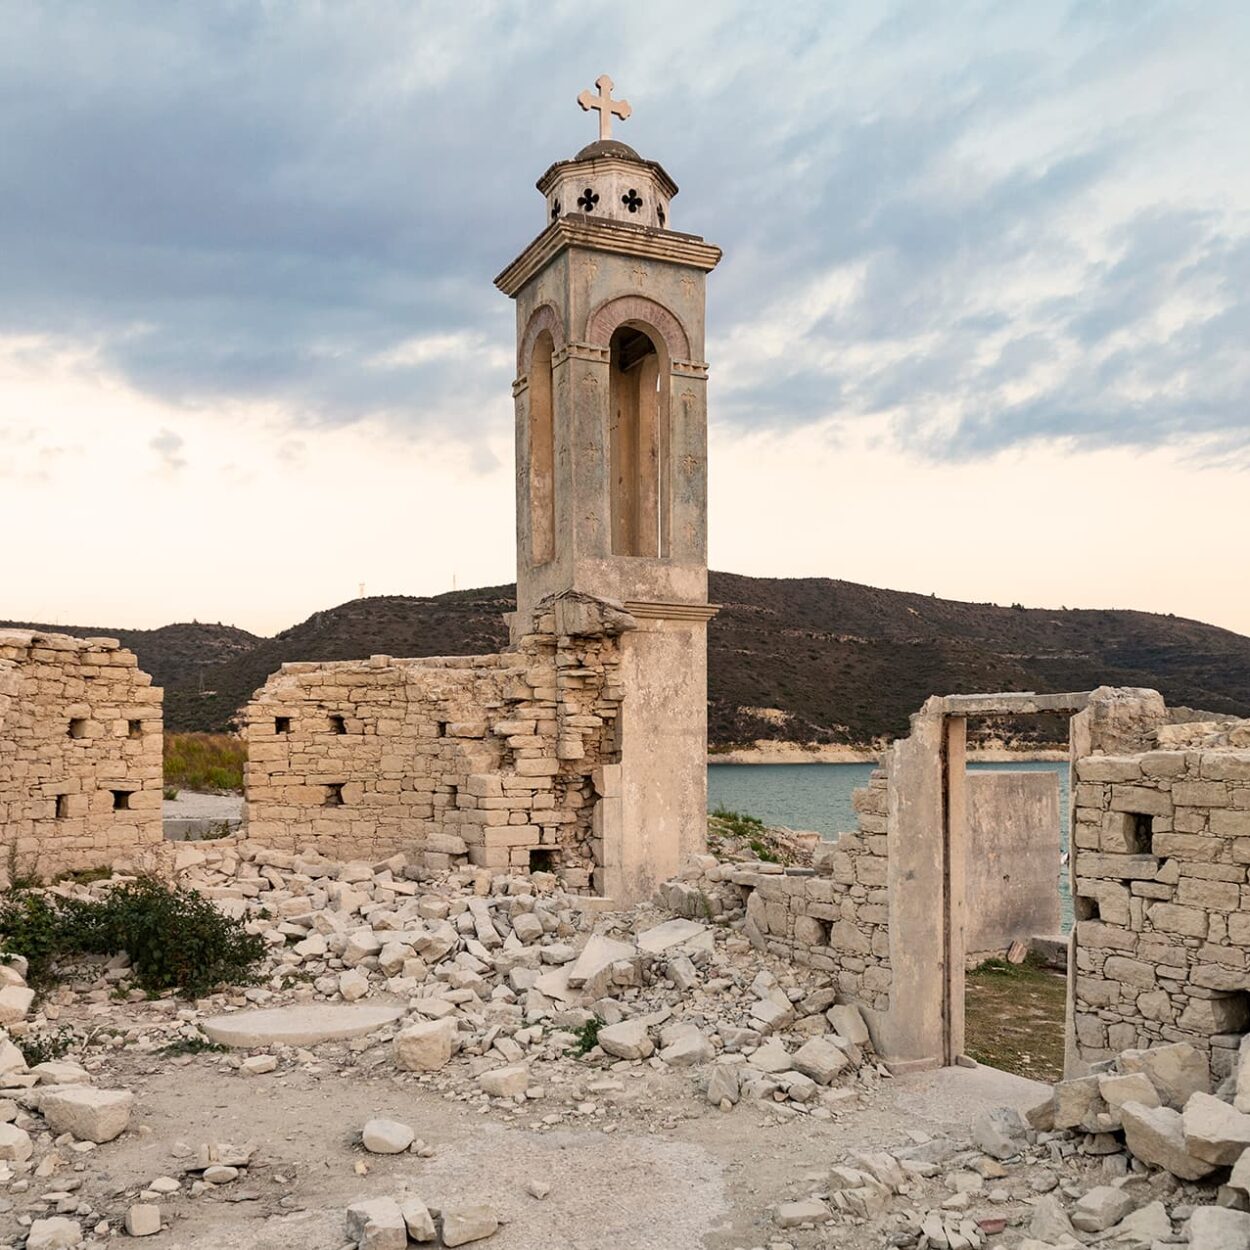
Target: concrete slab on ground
{"x": 959, "y": 1094}
{"x": 302, "y": 1025}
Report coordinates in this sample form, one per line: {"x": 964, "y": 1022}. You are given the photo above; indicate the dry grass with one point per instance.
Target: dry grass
{"x": 1013, "y": 1018}
{"x": 205, "y": 762}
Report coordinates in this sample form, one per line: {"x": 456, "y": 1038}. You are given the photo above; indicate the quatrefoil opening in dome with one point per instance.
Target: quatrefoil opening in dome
{"x": 609, "y": 181}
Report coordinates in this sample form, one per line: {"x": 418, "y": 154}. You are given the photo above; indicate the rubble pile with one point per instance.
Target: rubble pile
{"x": 495, "y": 989}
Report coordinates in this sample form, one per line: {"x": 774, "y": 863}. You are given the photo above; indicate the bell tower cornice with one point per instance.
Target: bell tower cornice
{"x": 598, "y": 235}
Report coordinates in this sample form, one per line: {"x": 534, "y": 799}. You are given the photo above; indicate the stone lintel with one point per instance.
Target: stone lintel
{"x": 1011, "y": 703}
{"x": 620, "y": 238}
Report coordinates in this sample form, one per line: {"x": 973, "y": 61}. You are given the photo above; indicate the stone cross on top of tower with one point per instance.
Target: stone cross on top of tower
{"x": 605, "y": 104}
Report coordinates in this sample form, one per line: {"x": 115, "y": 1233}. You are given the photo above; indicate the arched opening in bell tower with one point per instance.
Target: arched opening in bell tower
{"x": 542, "y": 467}
{"x": 638, "y": 445}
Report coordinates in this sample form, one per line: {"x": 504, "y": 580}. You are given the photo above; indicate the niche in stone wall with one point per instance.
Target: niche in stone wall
{"x": 637, "y": 445}
{"x": 334, "y": 794}
{"x": 338, "y": 724}
{"x": 544, "y": 858}
{"x": 1129, "y": 833}
{"x": 121, "y": 800}
{"x": 134, "y": 729}
{"x": 78, "y": 727}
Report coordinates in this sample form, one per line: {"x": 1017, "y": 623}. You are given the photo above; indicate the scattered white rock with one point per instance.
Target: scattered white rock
{"x": 56, "y": 1233}
{"x": 425, "y": 1046}
{"x": 505, "y": 1082}
{"x": 468, "y": 1222}
{"x": 387, "y": 1137}
{"x": 418, "y": 1220}
{"x": 143, "y": 1219}
{"x": 377, "y": 1224}
{"x": 627, "y": 1040}
{"x": 90, "y": 1114}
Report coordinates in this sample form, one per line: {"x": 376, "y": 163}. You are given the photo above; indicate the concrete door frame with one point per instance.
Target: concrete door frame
{"x": 955, "y": 711}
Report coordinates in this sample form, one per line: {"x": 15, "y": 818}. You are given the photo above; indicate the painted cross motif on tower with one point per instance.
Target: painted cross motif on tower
{"x": 605, "y": 105}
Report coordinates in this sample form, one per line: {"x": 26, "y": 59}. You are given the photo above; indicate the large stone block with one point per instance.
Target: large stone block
{"x": 87, "y": 1113}
{"x": 1214, "y": 1131}
{"x": 426, "y": 1046}
{"x": 1177, "y": 1071}
{"x": 1155, "y": 1135}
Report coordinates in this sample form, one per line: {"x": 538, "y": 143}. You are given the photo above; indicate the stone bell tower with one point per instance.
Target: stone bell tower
{"x": 611, "y": 445}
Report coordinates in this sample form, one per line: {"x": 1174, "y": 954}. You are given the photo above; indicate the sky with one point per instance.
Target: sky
{"x": 980, "y": 329}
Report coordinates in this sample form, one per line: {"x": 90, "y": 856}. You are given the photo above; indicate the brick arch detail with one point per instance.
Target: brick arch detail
{"x": 544, "y": 317}
{"x": 625, "y": 308}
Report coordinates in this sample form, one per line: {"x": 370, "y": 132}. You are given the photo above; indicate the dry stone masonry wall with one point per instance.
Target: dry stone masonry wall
{"x": 1161, "y": 846}
{"x": 509, "y": 760}
{"x": 838, "y": 918}
{"x": 80, "y": 754}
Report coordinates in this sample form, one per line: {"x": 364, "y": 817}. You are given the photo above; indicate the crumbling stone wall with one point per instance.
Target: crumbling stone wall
{"x": 80, "y": 754}
{"x": 1161, "y": 844}
{"x": 509, "y": 760}
{"x": 838, "y": 918}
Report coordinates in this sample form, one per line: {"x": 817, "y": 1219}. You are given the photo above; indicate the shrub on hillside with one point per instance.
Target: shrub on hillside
{"x": 204, "y": 761}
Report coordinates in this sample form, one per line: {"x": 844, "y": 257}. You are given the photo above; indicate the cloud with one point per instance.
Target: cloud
{"x": 987, "y": 225}
{"x": 168, "y": 446}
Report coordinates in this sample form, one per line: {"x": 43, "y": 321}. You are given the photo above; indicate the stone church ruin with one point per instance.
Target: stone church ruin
{"x": 579, "y": 751}
{"x": 581, "y": 748}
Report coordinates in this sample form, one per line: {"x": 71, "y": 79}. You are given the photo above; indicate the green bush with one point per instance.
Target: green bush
{"x": 175, "y": 937}
{"x": 40, "y": 1048}
{"x": 586, "y": 1036}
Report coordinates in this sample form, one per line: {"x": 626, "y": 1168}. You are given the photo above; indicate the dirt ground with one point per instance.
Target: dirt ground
{"x": 1014, "y": 1018}
{"x": 653, "y": 1168}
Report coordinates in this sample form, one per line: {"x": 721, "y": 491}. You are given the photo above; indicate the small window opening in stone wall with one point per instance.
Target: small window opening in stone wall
{"x": 453, "y": 797}
{"x": 1234, "y": 1011}
{"x": 1085, "y": 908}
{"x": 62, "y": 806}
{"x": 338, "y": 725}
{"x": 826, "y": 931}
{"x": 134, "y": 729}
{"x": 334, "y": 794}
{"x": 1139, "y": 833}
{"x": 78, "y": 727}
{"x": 544, "y": 859}
{"x": 282, "y": 724}
{"x": 442, "y": 729}
{"x": 121, "y": 800}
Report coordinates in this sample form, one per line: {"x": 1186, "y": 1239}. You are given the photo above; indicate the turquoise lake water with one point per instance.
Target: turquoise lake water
{"x": 818, "y": 797}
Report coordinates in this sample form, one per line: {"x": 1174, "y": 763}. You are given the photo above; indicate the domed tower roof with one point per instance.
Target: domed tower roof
{"x": 607, "y": 179}
{"x": 608, "y": 147}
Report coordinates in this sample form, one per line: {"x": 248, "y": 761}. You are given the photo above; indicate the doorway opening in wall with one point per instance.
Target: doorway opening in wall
{"x": 1017, "y": 905}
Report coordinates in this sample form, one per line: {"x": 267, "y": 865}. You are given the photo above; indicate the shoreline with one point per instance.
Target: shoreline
{"x": 797, "y": 753}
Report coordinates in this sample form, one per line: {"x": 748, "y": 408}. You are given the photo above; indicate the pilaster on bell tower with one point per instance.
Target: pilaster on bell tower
{"x": 611, "y": 402}
{"x": 611, "y": 441}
